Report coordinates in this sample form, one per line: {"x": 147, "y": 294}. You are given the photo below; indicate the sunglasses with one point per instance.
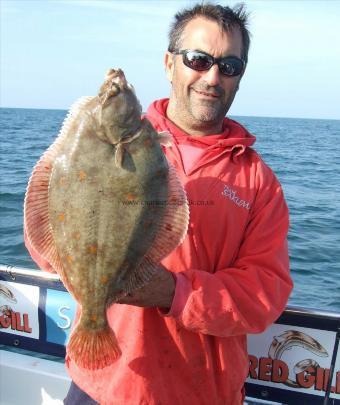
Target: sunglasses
{"x": 198, "y": 60}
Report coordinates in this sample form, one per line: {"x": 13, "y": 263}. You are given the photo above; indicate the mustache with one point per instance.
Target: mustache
{"x": 205, "y": 88}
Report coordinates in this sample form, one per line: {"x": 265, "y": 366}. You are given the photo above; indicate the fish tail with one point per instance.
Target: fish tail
{"x": 93, "y": 349}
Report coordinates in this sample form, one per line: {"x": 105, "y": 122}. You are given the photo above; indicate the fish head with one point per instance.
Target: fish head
{"x": 119, "y": 111}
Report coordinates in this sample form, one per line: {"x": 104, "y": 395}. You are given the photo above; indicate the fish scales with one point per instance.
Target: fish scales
{"x": 116, "y": 204}
{"x": 103, "y": 207}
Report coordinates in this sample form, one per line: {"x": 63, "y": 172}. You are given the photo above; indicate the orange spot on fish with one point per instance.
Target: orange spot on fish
{"x": 160, "y": 173}
{"x": 147, "y": 142}
{"x": 131, "y": 197}
{"x": 104, "y": 279}
{"x": 69, "y": 258}
{"x": 61, "y": 217}
{"x": 93, "y": 318}
{"x": 82, "y": 175}
{"x": 92, "y": 249}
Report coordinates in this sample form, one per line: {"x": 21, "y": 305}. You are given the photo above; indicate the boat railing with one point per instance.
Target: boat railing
{"x": 295, "y": 361}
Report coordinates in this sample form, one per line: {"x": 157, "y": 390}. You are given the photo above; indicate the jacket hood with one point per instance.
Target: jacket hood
{"x": 234, "y": 136}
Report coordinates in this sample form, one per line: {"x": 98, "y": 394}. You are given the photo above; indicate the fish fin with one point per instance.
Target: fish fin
{"x": 36, "y": 219}
{"x": 93, "y": 349}
{"x": 36, "y": 223}
{"x": 78, "y": 105}
{"x": 42, "y": 264}
{"x": 171, "y": 233}
{"x": 75, "y": 109}
{"x": 141, "y": 276}
{"x": 164, "y": 138}
{"x": 175, "y": 221}
{"x": 37, "y": 230}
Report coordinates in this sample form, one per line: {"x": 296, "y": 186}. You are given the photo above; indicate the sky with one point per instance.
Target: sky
{"x": 55, "y": 51}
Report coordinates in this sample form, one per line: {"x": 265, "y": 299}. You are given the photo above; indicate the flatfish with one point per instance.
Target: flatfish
{"x": 103, "y": 207}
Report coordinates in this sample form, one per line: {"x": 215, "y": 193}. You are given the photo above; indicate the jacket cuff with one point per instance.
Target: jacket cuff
{"x": 182, "y": 292}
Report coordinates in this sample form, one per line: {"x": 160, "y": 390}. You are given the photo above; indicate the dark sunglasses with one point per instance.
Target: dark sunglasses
{"x": 198, "y": 60}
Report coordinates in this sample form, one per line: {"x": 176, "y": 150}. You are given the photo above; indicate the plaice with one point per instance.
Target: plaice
{"x": 103, "y": 207}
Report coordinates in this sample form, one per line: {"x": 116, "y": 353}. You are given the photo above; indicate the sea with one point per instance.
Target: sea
{"x": 304, "y": 154}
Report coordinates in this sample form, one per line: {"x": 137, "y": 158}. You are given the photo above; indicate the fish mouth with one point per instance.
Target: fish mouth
{"x": 113, "y": 91}
{"x": 117, "y": 74}
{"x": 114, "y": 83}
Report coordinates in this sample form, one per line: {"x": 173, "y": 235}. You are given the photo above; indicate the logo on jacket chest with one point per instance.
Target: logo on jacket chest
{"x": 232, "y": 195}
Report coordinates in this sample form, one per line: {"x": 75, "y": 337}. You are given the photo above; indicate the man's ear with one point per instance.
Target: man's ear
{"x": 169, "y": 65}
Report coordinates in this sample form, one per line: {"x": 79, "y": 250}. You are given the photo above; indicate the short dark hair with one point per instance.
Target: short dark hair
{"x": 227, "y": 18}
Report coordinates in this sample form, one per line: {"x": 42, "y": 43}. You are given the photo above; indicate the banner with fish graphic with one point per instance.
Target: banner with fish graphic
{"x": 36, "y": 311}
{"x": 19, "y": 309}
{"x": 293, "y": 358}
{"x": 295, "y": 361}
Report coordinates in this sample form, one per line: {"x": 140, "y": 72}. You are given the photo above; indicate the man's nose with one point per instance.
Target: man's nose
{"x": 212, "y": 76}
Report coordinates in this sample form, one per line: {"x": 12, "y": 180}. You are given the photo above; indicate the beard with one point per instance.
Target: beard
{"x": 209, "y": 111}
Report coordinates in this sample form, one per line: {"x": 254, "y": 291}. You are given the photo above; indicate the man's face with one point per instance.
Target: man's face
{"x": 200, "y": 100}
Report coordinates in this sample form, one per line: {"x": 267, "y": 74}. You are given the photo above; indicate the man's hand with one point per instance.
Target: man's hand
{"x": 158, "y": 292}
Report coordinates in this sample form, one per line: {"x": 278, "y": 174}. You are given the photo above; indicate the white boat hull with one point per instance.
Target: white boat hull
{"x": 28, "y": 380}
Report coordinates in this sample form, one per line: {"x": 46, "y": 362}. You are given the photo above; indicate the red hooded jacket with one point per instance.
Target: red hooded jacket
{"x": 232, "y": 278}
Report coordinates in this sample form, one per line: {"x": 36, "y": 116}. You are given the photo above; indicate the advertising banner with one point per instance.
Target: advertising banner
{"x": 294, "y": 358}
{"x": 35, "y": 312}
{"x": 19, "y": 309}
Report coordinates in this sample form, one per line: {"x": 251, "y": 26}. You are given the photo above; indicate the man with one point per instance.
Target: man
{"x": 183, "y": 336}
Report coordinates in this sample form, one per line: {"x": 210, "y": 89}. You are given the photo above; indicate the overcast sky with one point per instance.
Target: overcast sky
{"x": 54, "y": 51}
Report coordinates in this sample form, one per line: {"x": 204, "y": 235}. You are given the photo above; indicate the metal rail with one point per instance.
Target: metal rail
{"x": 42, "y": 275}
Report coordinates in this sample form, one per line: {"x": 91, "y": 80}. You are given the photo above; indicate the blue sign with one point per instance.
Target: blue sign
{"x": 60, "y": 311}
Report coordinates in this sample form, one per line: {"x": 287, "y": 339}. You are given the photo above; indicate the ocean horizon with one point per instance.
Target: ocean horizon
{"x": 232, "y": 116}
